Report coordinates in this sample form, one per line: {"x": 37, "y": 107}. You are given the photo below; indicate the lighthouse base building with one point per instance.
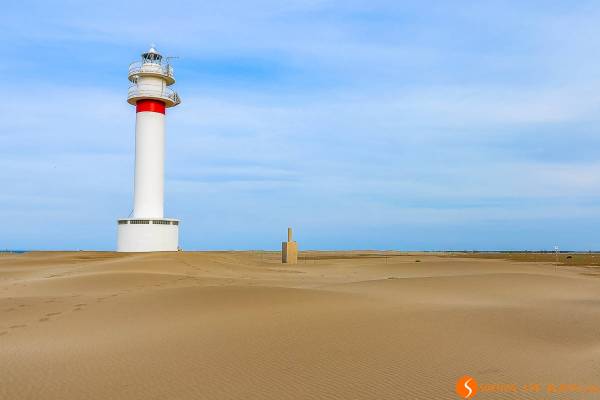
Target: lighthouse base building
{"x": 141, "y": 235}
{"x": 147, "y": 229}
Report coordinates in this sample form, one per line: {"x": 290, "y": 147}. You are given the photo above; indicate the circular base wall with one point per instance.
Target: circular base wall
{"x": 145, "y": 235}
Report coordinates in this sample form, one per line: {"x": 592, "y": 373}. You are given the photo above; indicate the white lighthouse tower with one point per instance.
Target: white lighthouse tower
{"x": 147, "y": 229}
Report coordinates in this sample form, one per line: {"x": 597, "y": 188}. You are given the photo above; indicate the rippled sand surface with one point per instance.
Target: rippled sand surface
{"x": 240, "y": 325}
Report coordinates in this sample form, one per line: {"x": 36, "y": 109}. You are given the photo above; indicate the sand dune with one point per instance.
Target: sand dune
{"x": 227, "y": 325}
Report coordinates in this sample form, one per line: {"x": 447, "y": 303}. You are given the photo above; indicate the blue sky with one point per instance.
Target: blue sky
{"x": 414, "y": 125}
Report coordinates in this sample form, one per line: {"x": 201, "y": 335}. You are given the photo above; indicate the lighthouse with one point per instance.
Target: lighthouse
{"x": 146, "y": 229}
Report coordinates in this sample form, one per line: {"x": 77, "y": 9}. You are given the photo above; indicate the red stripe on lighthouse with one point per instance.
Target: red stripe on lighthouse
{"x": 150, "y": 105}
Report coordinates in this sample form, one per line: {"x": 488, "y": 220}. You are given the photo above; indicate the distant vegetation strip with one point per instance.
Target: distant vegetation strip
{"x": 561, "y": 258}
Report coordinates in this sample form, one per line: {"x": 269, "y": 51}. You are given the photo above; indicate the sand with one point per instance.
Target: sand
{"x": 240, "y": 325}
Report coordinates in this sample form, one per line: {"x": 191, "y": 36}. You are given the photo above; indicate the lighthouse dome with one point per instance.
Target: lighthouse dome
{"x": 152, "y": 56}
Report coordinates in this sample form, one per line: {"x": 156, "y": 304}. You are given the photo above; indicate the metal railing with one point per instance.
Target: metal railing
{"x": 164, "y": 69}
{"x": 164, "y": 93}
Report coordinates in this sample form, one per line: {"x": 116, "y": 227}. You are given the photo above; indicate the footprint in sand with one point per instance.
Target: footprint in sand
{"x": 17, "y": 326}
{"x": 3, "y": 333}
{"x": 81, "y": 305}
{"x": 53, "y": 313}
{"x": 44, "y": 319}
